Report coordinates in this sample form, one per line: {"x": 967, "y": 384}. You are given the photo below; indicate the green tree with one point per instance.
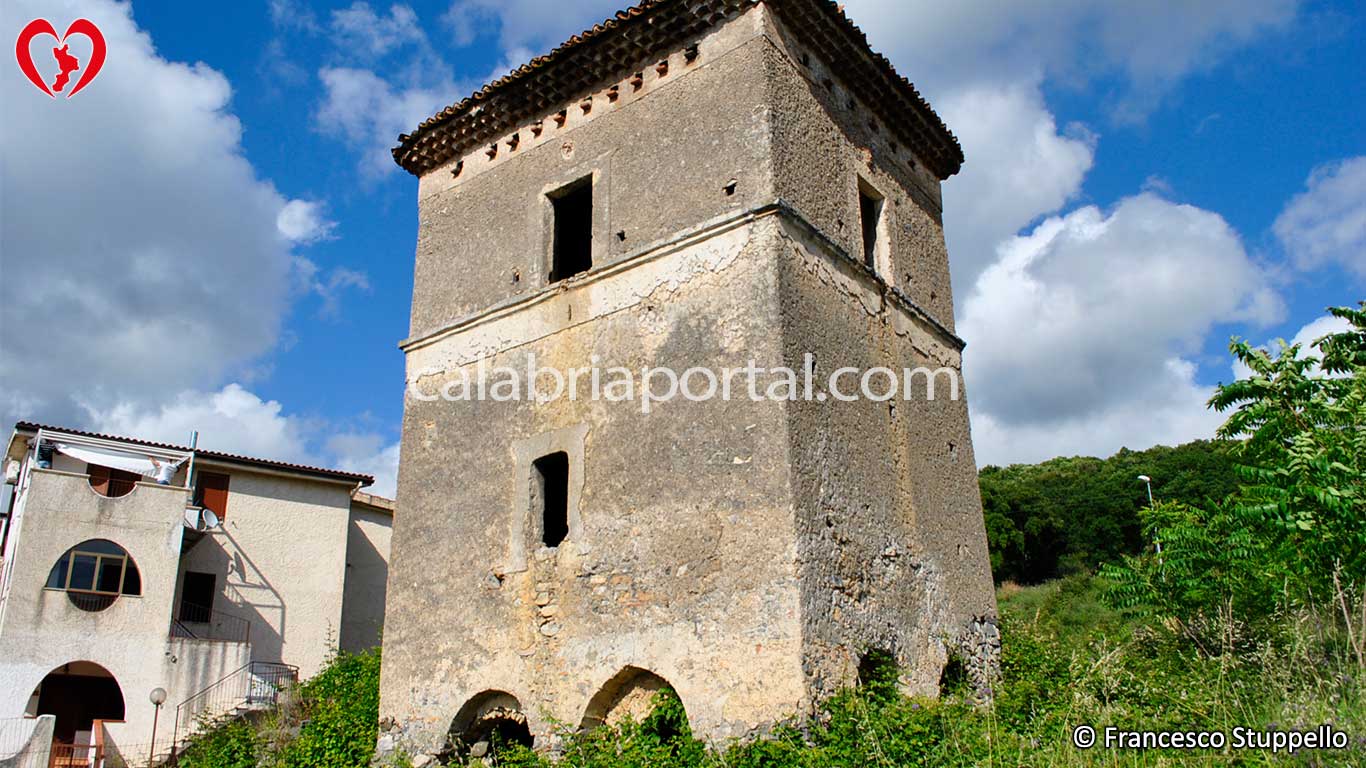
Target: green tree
{"x": 1071, "y": 514}
{"x": 1295, "y": 531}
{"x": 340, "y": 710}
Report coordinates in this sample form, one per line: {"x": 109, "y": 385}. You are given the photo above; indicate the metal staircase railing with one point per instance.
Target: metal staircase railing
{"x": 255, "y": 685}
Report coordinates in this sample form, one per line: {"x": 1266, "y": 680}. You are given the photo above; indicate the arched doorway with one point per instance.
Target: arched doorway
{"x": 77, "y": 694}
{"x": 630, "y": 692}
{"x": 489, "y": 721}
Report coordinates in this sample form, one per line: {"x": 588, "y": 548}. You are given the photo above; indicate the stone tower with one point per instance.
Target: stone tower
{"x": 690, "y": 184}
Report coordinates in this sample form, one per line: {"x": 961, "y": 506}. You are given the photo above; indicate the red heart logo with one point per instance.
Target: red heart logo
{"x": 66, "y": 63}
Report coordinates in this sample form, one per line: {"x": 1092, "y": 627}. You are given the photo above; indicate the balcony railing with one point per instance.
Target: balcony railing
{"x": 198, "y": 622}
{"x": 75, "y": 756}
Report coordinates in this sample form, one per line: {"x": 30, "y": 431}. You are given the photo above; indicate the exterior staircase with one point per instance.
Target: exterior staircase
{"x": 254, "y": 687}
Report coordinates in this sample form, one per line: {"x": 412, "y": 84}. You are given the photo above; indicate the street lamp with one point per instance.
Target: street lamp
{"x": 1148, "y": 481}
{"x": 157, "y": 697}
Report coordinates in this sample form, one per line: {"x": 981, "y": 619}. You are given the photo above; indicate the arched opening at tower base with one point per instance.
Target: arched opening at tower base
{"x": 488, "y": 722}
{"x": 630, "y": 693}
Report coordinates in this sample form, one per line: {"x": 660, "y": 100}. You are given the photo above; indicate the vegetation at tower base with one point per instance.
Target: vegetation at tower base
{"x": 1068, "y": 658}
{"x": 1251, "y": 617}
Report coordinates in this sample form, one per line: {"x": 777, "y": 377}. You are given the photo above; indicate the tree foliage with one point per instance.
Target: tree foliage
{"x": 331, "y": 721}
{"x": 1294, "y": 532}
{"x": 1069, "y": 515}
{"x": 340, "y": 712}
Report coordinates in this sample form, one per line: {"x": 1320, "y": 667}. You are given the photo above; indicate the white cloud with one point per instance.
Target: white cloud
{"x": 143, "y": 258}
{"x": 141, "y": 250}
{"x": 292, "y": 14}
{"x": 369, "y": 453}
{"x": 235, "y": 420}
{"x": 1077, "y": 335}
{"x": 1078, "y": 331}
{"x": 1020, "y": 167}
{"x": 1170, "y": 411}
{"x": 232, "y": 420}
{"x": 534, "y": 24}
{"x": 328, "y": 287}
{"x": 1304, "y": 337}
{"x": 1327, "y": 222}
{"x": 303, "y": 222}
{"x": 982, "y": 64}
{"x": 366, "y": 112}
{"x": 1150, "y": 45}
{"x": 360, "y": 30}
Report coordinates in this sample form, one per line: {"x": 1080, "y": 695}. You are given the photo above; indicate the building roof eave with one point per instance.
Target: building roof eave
{"x": 216, "y": 457}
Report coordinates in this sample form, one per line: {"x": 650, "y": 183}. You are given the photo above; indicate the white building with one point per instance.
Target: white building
{"x": 220, "y": 587}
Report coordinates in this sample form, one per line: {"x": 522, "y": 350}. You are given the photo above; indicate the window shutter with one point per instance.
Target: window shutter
{"x": 99, "y": 478}
{"x": 213, "y": 493}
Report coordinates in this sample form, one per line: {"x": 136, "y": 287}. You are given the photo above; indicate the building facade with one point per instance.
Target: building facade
{"x": 708, "y": 184}
{"x": 219, "y": 587}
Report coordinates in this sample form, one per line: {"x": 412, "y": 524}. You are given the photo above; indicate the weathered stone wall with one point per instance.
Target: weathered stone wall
{"x": 892, "y": 551}
{"x": 825, "y": 138}
{"x": 745, "y": 553}
{"x": 687, "y": 574}
{"x": 661, "y": 158}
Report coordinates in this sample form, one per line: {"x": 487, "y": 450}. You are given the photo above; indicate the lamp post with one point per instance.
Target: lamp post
{"x": 157, "y": 697}
{"x": 1148, "y": 481}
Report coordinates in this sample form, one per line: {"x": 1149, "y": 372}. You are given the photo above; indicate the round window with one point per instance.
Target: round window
{"x": 94, "y": 573}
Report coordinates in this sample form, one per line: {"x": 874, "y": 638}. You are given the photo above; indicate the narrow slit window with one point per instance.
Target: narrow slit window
{"x": 870, "y": 216}
{"x": 572, "y": 250}
{"x": 552, "y": 484}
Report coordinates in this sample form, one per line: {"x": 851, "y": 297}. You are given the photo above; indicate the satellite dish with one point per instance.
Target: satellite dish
{"x": 210, "y": 520}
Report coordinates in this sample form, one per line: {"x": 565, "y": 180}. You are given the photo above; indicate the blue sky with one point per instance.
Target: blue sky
{"x": 1167, "y": 174}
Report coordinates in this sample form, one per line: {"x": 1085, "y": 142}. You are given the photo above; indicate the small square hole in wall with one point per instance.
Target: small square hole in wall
{"x": 870, "y": 219}
{"x": 551, "y": 487}
{"x": 572, "y": 248}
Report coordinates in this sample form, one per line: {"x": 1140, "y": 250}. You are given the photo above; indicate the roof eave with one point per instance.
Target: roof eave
{"x": 425, "y": 149}
{"x": 321, "y": 473}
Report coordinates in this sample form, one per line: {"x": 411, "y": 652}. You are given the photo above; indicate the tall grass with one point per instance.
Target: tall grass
{"x": 1068, "y": 660}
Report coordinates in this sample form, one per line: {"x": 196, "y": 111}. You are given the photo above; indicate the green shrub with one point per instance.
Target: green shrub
{"x": 661, "y": 738}
{"x": 340, "y": 711}
{"x": 329, "y": 721}
{"x": 1067, "y": 659}
{"x": 233, "y": 744}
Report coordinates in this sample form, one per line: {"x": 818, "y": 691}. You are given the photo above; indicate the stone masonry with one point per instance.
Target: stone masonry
{"x": 747, "y": 553}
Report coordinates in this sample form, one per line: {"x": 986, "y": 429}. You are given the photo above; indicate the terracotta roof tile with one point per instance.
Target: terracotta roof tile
{"x": 231, "y": 458}
{"x": 619, "y": 43}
